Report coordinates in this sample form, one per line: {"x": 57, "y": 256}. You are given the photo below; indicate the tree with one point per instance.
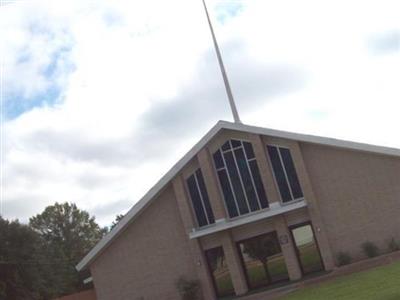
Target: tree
{"x": 69, "y": 234}
{"x": 116, "y": 221}
{"x": 20, "y": 268}
{"x": 261, "y": 249}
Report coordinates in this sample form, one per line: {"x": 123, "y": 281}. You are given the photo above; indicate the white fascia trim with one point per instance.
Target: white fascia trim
{"x": 274, "y": 210}
{"x": 154, "y": 191}
{"x": 312, "y": 139}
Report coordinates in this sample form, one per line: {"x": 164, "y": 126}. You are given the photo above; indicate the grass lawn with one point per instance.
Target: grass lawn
{"x": 382, "y": 283}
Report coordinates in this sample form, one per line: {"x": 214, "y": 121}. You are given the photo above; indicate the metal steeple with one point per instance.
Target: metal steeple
{"x": 221, "y": 65}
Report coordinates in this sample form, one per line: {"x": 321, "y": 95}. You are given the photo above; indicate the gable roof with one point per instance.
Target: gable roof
{"x": 162, "y": 183}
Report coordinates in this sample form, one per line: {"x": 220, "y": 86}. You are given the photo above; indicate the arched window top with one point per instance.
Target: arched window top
{"x": 239, "y": 177}
{"x": 233, "y": 144}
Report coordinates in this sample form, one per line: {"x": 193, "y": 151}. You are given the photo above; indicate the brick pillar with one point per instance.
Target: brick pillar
{"x": 234, "y": 264}
{"x": 313, "y": 209}
{"x": 288, "y": 249}
{"x": 265, "y": 171}
{"x": 211, "y": 182}
{"x": 195, "y": 247}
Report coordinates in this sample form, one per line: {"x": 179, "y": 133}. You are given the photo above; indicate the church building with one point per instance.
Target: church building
{"x": 250, "y": 208}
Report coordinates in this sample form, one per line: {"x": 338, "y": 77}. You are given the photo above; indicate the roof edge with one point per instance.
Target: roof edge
{"x": 314, "y": 139}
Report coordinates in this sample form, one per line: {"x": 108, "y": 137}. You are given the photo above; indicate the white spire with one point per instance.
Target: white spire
{"x": 221, "y": 65}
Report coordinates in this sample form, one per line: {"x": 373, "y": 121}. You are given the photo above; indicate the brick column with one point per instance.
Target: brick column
{"x": 265, "y": 171}
{"x": 313, "y": 209}
{"x": 195, "y": 247}
{"x": 211, "y": 182}
{"x": 288, "y": 249}
{"x": 234, "y": 264}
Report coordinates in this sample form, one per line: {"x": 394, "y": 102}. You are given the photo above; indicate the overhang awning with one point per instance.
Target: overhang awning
{"x": 275, "y": 209}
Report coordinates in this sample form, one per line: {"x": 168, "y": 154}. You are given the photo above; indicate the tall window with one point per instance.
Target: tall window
{"x": 200, "y": 201}
{"x": 239, "y": 178}
{"x": 285, "y": 173}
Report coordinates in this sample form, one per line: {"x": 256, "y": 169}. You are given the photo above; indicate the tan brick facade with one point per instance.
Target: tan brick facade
{"x": 351, "y": 196}
{"x": 358, "y": 195}
{"x": 146, "y": 259}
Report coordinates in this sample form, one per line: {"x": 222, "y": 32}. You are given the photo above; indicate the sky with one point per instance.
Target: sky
{"x": 100, "y": 98}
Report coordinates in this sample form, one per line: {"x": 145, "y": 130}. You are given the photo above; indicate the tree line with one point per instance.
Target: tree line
{"x": 38, "y": 259}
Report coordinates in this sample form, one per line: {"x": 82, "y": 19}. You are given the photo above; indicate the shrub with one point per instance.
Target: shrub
{"x": 188, "y": 289}
{"x": 343, "y": 258}
{"x": 394, "y": 245}
{"x": 370, "y": 249}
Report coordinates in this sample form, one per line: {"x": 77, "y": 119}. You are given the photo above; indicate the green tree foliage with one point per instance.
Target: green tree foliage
{"x": 68, "y": 234}
{"x": 116, "y": 221}
{"x": 38, "y": 261}
{"x": 20, "y": 262}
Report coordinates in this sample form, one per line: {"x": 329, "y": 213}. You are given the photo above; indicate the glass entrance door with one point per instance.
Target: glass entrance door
{"x": 263, "y": 260}
{"x": 219, "y": 272}
{"x": 307, "y": 248}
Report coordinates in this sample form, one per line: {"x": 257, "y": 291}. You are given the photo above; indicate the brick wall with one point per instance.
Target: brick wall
{"x": 358, "y": 194}
{"x": 145, "y": 261}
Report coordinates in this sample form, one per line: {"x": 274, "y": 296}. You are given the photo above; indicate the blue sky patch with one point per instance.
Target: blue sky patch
{"x": 226, "y": 10}
{"x": 15, "y": 105}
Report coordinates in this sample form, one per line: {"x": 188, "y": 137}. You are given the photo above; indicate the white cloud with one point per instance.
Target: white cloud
{"x": 139, "y": 84}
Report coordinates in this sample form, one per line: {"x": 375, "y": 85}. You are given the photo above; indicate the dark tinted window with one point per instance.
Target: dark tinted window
{"x": 196, "y": 201}
{"x": 206, "y": 201}
{"x": 285, "y": 173}
{"x": 240, "y": 182}
{"x": 236, "y": 143}
{"x": 247, "y": 180}
{"x": 291, "y": 173}
{"x": 219, "y": 163}
{"x": 248, "y": 148}
{"x": 226, "y": 146}
{"x": 259, "y": 186}
{"x": 237, "y": 185}
{"x": 200, "y": 201}
{"x": 228, "y": 195}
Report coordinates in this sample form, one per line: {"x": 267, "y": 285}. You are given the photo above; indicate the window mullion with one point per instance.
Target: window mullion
{"x": 284, "y": 171}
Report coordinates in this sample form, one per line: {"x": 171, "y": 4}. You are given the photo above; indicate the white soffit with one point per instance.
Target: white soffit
{"x": 153, "y": 192}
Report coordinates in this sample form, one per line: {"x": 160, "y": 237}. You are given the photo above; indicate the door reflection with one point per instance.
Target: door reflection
{"x": 263, "y": 260}
{"x": 307, "y": 249}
